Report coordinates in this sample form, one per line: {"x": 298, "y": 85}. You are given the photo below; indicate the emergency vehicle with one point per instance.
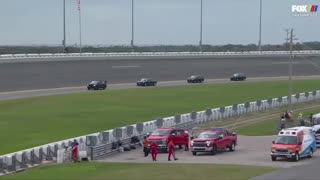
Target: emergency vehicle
{"x": 294, "y": 143}
{"x": 316, "y": 129}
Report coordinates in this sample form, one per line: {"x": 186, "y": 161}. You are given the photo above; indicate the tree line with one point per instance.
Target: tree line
{"x": 158, "y": 48}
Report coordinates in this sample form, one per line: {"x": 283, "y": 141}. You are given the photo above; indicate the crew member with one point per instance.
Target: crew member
{"x": 75, "y": 150}
{"x": 311, "y": 119}
{"x": 154, "y": 151}
{"x": 145, "y": 147}
{"x": 171, "y": 150}
{"x": 186, "y": 146}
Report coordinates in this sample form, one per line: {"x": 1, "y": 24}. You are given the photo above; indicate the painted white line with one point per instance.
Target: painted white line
{"x": 287, "y": 62}
{"x": 117, "y": 67}
{"x": 312, "y": 63}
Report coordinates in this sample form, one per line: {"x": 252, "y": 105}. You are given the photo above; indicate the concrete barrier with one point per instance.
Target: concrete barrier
{"x": 11, "y": 58}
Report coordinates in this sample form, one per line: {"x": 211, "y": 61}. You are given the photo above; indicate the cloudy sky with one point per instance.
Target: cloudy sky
{"x": 156, "y": 21}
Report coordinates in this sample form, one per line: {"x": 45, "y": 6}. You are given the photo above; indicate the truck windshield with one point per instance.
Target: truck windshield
{"x": 160, "y": 133}
{"x": 286, "y": 140}
{"x": 207, "y": 135}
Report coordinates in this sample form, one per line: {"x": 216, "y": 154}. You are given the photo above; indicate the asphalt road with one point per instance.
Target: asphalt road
{"x": 251, "y": 150}
{"x": 43, "y": 75}
{"x": 66, "y": 90}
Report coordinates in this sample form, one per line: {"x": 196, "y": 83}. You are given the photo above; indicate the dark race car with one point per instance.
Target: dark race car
{"x": 195, "y": 79}
{"x": 146, "y": 82}
{"x": 97, "y": 85}
{"x": 238, "y": 77}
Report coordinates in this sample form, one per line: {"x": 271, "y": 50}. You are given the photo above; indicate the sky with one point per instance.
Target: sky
{"x": 108, "y": 22}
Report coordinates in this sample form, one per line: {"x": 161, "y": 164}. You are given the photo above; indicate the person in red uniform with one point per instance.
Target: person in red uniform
{"x": 186, "y": 146}
{"x": 75, "y": 150}
{"x": 154, "y": 151}
{"x": 171, "y": 150}
{"x": 145, "y": 147}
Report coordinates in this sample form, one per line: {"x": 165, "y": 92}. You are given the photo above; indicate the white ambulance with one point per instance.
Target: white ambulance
{"x": 294, "y": 143}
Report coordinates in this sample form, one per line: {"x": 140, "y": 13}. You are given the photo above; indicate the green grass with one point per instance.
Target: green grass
{"x": 264, "y": 128}
{"x": 154, "y": 171}
{"x": 268, "y": 127}
{"x": 25, "y": 123}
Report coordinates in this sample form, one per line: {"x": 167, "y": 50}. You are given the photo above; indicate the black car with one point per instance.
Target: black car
{"x": 146, "y": 82}
{"x": 195, "y": 79}
{"x": 96, "y": 85}
{"x": 238, "y": 77}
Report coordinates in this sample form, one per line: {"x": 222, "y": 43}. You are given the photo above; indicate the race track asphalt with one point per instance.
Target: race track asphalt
{"x": 43, "y": 75}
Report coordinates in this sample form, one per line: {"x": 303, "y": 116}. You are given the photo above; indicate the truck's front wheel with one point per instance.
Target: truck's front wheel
{"x": 214, "y": 150}
{"x": 194, "y": 153}
{"x": 232, "y": 146}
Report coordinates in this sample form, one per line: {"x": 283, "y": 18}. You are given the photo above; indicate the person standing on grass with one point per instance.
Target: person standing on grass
{"x": 171, "y": 150}
{"x": 75, "y": 151}
{"x": 154, "y": 151}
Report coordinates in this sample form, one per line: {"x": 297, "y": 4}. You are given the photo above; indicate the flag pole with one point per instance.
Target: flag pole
{"x": 79, "y": 9}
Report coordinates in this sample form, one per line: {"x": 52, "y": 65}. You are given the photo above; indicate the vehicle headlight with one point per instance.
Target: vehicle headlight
{"x": 191, "y": 143}
{"x": 290, "y": 150}
{"x": 208, "y": 143}
{"x": 273, "y": 150}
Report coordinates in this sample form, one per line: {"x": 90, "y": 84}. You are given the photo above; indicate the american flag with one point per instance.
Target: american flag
{"x": 79, "y": 5}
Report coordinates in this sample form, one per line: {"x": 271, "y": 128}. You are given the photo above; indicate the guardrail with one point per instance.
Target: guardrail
{"x": 155, "y": 54}
{"x": 99, "y": 145}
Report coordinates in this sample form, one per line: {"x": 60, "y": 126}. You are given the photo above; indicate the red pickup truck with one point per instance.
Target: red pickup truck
{"x": 161, "y": 136}
{"x": 213, "y": 140}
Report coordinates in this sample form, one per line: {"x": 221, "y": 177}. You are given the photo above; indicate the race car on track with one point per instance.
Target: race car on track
{"x": 96, "y": 85}
{"x": 146, "y": 82}
{"x": 195, "y": 79}
{"x": 161, "y": 137}
{"x": 238, "y": 77}
{"x": 213, "y": 140}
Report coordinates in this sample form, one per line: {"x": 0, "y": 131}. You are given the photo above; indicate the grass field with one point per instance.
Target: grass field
{"x": 126, "y": 171}
{"x": 268, "y": 127}
{"x": 25, "y": 123}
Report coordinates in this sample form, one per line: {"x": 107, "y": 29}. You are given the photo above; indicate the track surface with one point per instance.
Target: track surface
{"x": 42, "y": 75}
{"x": 66, "y": 90}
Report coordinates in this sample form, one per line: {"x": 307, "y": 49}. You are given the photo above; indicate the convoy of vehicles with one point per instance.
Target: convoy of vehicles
{"x": 97, "y": 85}
{"x": 162, "y": 136}
{"x": 214, "y": 140}
{"x": 294, "y": 143}
{"x": 195, "y": 79}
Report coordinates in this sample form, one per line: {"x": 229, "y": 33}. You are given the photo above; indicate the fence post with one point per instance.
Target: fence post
{"x": 222, "y": 109}
{"x": 209, "y": 115}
